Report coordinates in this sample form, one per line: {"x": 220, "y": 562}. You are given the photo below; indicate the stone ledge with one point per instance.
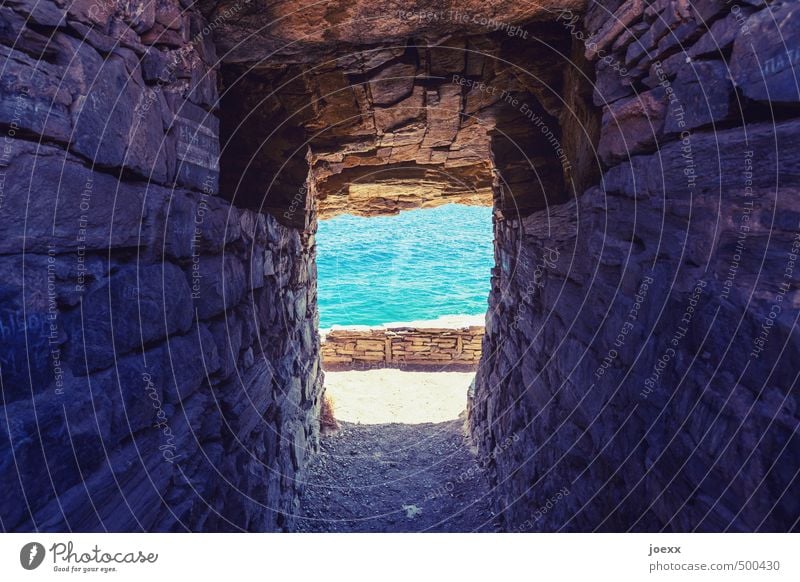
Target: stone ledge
{"x": 448, "y": 342}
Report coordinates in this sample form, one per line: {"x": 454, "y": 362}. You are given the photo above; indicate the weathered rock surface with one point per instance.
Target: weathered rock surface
{"x": 110, "y": 322}
{"x": 161, "y": 181}
{"x": 300, "y": 31}
{"x": 632, "y": 126}
{"x": 705, "y": 93}
{"x": 627, "y": 339}
{"x": 139, "y": 309}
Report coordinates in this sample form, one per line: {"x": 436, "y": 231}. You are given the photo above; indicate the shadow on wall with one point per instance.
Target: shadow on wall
{"x": 642, "y": 337}
{"x": 159, "y": 361}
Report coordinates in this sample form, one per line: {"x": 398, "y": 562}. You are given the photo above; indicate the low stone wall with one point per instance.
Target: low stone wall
{"x": 368, "y": 347}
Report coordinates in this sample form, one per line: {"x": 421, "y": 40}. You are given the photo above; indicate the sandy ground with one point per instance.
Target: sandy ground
{"x": 400, "y": 462}
{"x": 388, "y": 395}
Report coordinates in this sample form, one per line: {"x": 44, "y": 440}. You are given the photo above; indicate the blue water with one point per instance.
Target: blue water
{"x": 420, "y": 264}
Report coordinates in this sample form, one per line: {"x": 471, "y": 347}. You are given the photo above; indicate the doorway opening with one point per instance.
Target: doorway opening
{"x": 402, "y": 302}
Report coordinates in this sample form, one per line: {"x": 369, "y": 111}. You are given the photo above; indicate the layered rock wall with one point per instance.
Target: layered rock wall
{"x": 160, "y": 365}
{"x": 159, "y": 359}
{"x": 641, "y": 338}
{"x": 440, "y": 347}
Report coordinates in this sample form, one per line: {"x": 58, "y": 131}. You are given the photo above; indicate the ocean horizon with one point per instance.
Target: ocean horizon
{"x": 422, "y": 264}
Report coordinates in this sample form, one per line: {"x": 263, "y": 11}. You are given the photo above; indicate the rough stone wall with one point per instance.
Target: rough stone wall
{"x": 642, "y": 337}
{"x": 402, "y": 346}
{"x": 159, "y": 359}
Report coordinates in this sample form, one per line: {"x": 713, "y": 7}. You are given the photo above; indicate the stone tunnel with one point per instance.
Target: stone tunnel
{"x": 163, "y": 169}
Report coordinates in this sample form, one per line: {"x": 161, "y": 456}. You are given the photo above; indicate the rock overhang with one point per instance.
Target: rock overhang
{"x": 303, "y": 30}
{"x": 403, "y": 104}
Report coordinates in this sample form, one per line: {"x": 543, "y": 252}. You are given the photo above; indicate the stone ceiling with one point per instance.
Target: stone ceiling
{"x": 386, "y": 98}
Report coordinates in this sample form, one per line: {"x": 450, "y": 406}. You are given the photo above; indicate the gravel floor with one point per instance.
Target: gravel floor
{"x": 396, "y": 478}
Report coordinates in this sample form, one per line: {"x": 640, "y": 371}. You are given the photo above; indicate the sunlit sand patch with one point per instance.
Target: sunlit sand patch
{"x": 387, "y": 395}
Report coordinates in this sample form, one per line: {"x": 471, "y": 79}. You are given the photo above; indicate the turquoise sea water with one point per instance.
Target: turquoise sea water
{"x": 420, "y": 264}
